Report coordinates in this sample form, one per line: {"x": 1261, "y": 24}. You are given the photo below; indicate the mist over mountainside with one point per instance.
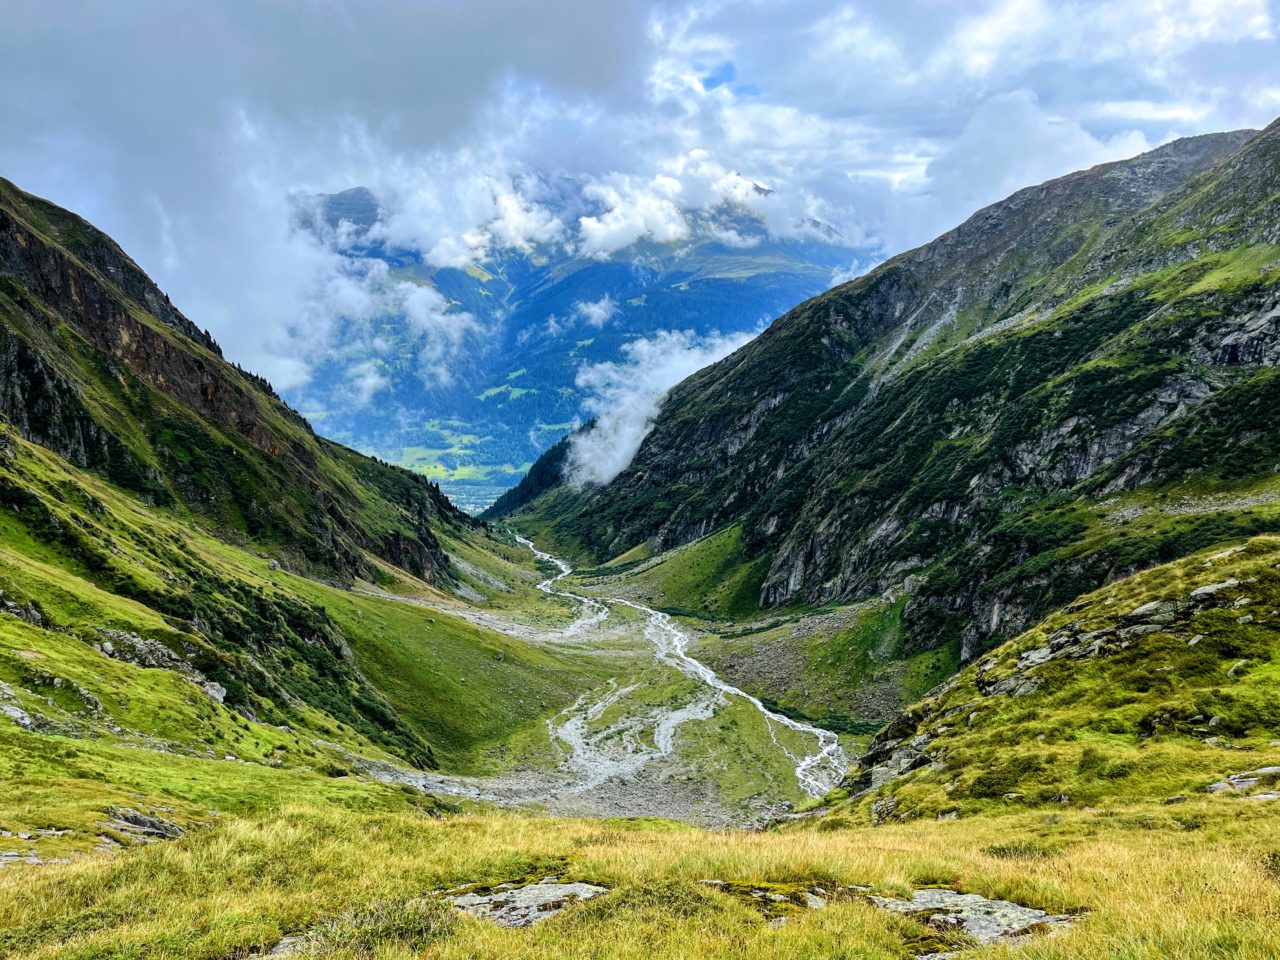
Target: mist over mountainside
{"x": 1065, "y": 389}
{"x": 484, "y": 366}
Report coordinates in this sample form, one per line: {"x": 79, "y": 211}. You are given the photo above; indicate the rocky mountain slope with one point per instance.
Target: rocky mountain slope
{"x": 177, "y": 544}
{"x": 1069, "y": 387}
{"x": 99, "y": 367}
{"x": 1147, "y": 690}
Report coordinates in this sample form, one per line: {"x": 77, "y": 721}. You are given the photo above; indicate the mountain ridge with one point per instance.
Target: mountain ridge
{"x": 851, "y": 480}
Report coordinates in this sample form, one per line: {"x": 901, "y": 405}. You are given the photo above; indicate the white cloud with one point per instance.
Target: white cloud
{"x": 596, "y": 313}
{"x": 732, "y": 238}
{"x": 1152, "y": 33}
{"x": 576, "y": 125}
{"x": 1147, "y": 110}
{"x": 441, "y": 333}
{"x": 364, "y": 381}
{"x": 1002, "y": 30}
{"x": 455, "y": 210}
{"x": 625, "y": 397}
{"x": 855, "y": 269}
{"x": 633, "y": 210}
{"x": 1011, "y": 141}
{"x": 1264, "y": 97}
{"x": 522, "y": 225}
{"x": 1167, "y": 27}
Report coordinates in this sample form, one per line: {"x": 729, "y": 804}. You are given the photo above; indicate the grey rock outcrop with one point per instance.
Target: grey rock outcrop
{"x": 513, "y": 905}
{"x": 142, "y": 826}
{"x": 1245, "y": 782}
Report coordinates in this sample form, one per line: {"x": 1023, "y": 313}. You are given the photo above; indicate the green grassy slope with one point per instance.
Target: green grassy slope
{"x": 1152, "y": 688}
{"x": 116, "y": 614}
{"x": 88, "y": 556}
{"x": 709, "y": 578}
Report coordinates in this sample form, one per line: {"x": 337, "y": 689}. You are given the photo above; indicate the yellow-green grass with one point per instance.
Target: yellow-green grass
{"x": 636, "y": 554}
{"x": 68, "y": 783}
{"x": 240, "y": 885}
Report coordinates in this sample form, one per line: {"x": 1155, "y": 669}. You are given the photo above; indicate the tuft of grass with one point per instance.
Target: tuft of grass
{"x": 1018, "y": 850}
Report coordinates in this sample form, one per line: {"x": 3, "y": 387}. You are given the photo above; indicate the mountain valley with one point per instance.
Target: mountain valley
{"x": 532, "y": 324}
{"x": 941, "y": 619}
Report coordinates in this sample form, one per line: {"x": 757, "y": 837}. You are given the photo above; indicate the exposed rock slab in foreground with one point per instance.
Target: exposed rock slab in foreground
{"x": 987, "y": 921}
{"x": 511, "y": 905}
{"x": 984, "y": 921}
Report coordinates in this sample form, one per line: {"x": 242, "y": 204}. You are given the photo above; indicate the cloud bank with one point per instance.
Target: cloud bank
{"x": 625, "y": 397}
{"x": 190, "y": 132}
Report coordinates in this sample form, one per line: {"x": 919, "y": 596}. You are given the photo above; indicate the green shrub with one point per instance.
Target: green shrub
{"x": 995, "y": 783}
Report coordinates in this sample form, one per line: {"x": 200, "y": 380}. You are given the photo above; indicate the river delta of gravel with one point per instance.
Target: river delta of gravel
{"x": 630, "y": 764}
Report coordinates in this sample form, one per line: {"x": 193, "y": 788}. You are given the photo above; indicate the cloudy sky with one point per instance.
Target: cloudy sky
{"x": 190, "y": 131}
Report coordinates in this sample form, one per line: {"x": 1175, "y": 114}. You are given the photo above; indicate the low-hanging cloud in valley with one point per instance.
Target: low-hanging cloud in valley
{"x": 364, "y": 381}
{"x": 624, "y": 397}
{"x": 596, "y": 313}
{"x": 440, "y": 332}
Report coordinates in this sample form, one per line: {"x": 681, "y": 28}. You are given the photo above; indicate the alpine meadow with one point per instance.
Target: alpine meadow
{"x": 780, "y": 479}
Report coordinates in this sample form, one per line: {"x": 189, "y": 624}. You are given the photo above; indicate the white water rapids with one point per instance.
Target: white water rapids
{"x": 621, "y": 749}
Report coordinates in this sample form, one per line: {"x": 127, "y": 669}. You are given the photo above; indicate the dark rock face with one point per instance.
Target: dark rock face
{"x": 101, "y": 315}
{"x": 895, "y": 751}
{"x": 898, "y": 423}
{"x": 44, "y": 407}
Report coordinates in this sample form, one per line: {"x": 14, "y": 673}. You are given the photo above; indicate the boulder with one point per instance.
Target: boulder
{"x": 511, "y": 905}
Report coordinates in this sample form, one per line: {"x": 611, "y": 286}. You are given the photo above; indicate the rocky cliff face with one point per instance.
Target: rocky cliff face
{"x": 37, "y": 400}
{"x": 100, "y": 367}
{"x": 956, "y": 418}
